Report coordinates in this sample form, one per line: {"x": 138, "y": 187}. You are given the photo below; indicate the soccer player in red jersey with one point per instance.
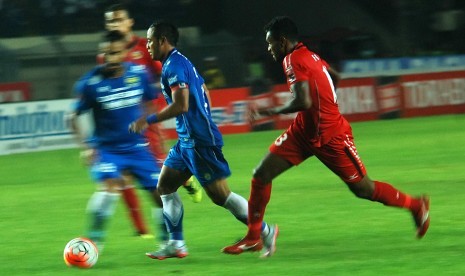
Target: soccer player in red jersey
{"x": 318, "y": 130}
{"x": 117, "y": 17}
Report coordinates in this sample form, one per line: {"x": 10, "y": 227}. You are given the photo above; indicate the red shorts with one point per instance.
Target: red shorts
{"x": 339, "y": 154}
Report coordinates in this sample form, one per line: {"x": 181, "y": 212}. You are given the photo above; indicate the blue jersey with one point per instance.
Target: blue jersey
{"x": 195, "y": 127}
{"x": 115, "y": 103}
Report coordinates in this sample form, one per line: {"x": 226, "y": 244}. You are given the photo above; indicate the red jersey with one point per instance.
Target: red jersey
{"x": 322, "y": 120}
{"x": 138, "y": 54}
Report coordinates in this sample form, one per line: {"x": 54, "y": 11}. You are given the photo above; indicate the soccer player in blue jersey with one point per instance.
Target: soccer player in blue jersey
{"x": 117, "y": 93}
{"x": 198, "y": 150}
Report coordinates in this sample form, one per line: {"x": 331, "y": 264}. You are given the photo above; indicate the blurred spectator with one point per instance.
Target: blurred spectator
{"x": 447, "y": 24}
{"x": 214, "y": 77}
{"x": 256, "y": 76}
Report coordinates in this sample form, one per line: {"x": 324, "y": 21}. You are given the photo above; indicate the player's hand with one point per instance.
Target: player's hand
{"x": 138, "y": 126}
{"x": 255, "y": 113}
{"x": 252, "y": 113}
{"x": 88, "y": 156}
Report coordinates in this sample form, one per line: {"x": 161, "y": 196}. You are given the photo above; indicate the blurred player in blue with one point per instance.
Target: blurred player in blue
{"x": 198, "y": 150}
{"x": 117, "y": 93}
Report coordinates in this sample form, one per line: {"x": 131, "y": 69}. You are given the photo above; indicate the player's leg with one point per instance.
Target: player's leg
{"x": 101, "y": 206}
{"x": 194, "y": 190}
{"x": 156, "y": 139}
{"x": 284, "y": 153}
{"x": 143, "y": 167}
{"x": 173, "y": 214}
{"x": 220, "y": 194}
{"x": 211, "y": 169}
{"x": 340, "y": 155}
{"x": 388, "y": 195}
{"x": 173, "y": 174}
{"x": 269, "y": 168}
{"x": 131, "y": 200}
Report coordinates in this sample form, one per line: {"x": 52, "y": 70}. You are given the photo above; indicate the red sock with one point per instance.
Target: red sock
{"x": 259, "y": 197}
{"x": 390, "y": 196}
{"x": 132, "y": 202}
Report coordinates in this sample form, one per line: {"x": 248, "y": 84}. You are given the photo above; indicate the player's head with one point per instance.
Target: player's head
{"x": 280, "y": 32}
{"x": 162, "y": 37}
{"x": 117, "y": 18}
{"x": 115, "y": 51}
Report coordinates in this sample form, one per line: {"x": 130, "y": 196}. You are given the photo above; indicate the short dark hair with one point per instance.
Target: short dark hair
{"x": 118, "y": 7}
{"x": 113, "y": 36}
{"x": 282, "y": 26}
{"x": 167, "y": 30}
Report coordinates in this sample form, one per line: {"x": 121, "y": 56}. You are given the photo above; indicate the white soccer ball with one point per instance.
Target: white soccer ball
{"x": 80, "y": 252}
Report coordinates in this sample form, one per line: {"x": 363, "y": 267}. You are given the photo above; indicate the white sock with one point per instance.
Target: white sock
{"x": 172, "y": 207}
{"x": 238, "y": 206}
{"x": 103, "y": 202}
{"x": 157, "y": 216}
{"x": 173, "y": 213}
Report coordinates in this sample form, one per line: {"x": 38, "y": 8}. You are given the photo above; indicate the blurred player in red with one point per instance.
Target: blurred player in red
{"x": 117, "y": 18}
{"x": 318, "y": 130}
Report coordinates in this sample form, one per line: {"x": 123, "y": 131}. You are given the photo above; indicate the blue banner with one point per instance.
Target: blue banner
{"x": 403, "y": 65}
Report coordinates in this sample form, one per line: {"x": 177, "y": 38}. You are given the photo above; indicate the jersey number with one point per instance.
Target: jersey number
{"x": 328, "y": 76}
{"x": 281, "y": 139}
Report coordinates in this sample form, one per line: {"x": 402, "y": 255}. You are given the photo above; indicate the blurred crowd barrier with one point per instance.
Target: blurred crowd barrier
{"x": 51, "y": 65}
{"x": 43, "y": 125}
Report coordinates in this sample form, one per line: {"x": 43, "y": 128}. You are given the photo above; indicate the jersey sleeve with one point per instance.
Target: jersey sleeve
{"x": 295, "y": 69}
{"x": 176, "y": 75}
{"x": 325, "y": 64}
{"x": 81, "y": 91}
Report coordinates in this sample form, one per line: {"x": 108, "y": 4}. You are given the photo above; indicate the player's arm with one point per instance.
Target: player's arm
{"x": 78, "y": 133}
{"x": 180, "y": 105}
{"x": 149, "y": 107}
{"x": 88, "y": 153}
{"x": 207, "y": 92}
{"x": 300, "y": 101}
{"x": 335, "y": 76}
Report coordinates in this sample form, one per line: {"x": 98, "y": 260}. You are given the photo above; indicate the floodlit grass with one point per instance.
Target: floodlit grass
{"x": 325, "y": 230}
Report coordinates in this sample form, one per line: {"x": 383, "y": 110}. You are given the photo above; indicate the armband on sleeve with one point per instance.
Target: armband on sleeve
{"x": 152, "y": 119}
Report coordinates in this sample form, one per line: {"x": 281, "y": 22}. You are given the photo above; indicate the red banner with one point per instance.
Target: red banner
{"x": 359, "y": 100}
{"x": 228, "y": 109}
{"x": 15, "y": 92}
{"x": 433, "y": 93}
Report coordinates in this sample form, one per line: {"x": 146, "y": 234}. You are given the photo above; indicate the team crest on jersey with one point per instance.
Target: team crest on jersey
{"x": 94, "y": 80}
{"x": 290, "y": 73}
{"x": 172, "y": 79}
{"x": 132, "y": 80}
{"x": 136, "y": 55}
{"x": 103, "y": 89}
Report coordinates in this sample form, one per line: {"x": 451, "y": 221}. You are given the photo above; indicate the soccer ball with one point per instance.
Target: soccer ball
{"x": 80, "y": 252}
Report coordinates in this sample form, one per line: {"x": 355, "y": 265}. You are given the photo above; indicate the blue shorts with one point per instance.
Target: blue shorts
{"x": 207, "y": 164}
{"x": 138, "y": 162}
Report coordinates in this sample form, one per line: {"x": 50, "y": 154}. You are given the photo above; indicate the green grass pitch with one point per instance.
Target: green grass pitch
{"x": 325, "y": 230}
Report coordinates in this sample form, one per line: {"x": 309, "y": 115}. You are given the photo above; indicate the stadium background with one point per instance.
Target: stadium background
{"x": 394, "y": 63}
{"x": 398, "y": 58}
